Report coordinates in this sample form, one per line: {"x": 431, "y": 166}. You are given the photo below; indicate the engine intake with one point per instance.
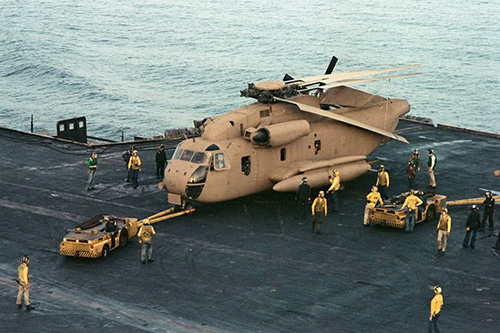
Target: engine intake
{"x": 280, "y": 134}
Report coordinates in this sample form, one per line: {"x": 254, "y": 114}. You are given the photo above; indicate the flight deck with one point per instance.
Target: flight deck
{"x": 244, "y": 265}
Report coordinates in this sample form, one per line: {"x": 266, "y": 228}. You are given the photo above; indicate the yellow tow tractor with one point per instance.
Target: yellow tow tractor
{"x": 391, "y": 215}
{"x": 90, "y": 239}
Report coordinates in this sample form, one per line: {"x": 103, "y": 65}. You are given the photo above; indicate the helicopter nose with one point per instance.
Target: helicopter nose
{"x": 186, "y": 179}
{"x": 177, "y": 176}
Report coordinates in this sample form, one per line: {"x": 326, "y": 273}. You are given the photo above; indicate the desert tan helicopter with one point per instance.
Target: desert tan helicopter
{"x": 299, "y": 127}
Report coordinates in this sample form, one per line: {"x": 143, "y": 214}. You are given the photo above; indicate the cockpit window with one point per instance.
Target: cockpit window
{"x": 177, "y": 153}
{"x": 186, "y": 155}
{"x": 201, "y": 158}
{"x": 221, "y": 162}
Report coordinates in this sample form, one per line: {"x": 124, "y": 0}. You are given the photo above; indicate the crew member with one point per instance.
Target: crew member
{"x": 415, "y": 159}
{"x": 23, "y": 281}
{"x": 145, "y": 235}
{"x": 473, "y": 223}
{"x": 334, "y": 189}
{"x": 489, "y": 208}
{"x": 423, "y": 206}
{"x": 126, "y": 159}
{"x": 436, "y": 304}
{"x": 415, "y": 166}
{"x": 443, "y": 229}
{"x": 382, "y": 182}
{"x": 431, "y": 165}
{"x": 410, "y": 172}
{"x": 134, "y": 165}
{"x": 319, "y": 211}
{"x": 303, "y": 197}
{"x": 161, "y": 160}
{"x": 411, "y": 203}
{"x": 112, "y": 228}
{"x": 371, "y": 201}
{"x": 91, "y": 169}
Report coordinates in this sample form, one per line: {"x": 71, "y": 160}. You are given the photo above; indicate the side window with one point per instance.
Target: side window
{"x": 283, "y": 154}
{"x": 221, "y": 162}
{"x": 245, "y": 165}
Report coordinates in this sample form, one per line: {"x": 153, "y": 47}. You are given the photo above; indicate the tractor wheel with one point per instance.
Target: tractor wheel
{"x": 105, "y": 251}
{"x": 431, "y": 213}
{"x": 124, "y": 238}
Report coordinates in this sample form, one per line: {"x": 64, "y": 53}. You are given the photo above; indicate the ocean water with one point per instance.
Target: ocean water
{"x": 145, "y": 66}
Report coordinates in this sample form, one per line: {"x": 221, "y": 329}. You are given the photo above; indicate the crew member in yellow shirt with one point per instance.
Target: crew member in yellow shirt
{"x": 319, "y": 211}
{"x": 443, "y": 229}
{"x": 383, "y": 182}
{"x": 411, "y": 202}
{"x": 371, "y": 201}
{"x": 134, "y": 166}
{"x": 145, "y": 235}
{"x": 436, "y": 304}
{"x": 23, "y": 281}
{"x": 334, "y": 189}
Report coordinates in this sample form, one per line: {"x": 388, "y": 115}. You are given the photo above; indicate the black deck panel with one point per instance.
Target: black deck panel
{"x": 244, "y": 265}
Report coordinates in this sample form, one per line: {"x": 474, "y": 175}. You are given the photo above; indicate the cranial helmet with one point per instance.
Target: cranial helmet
{"x": 437, "y": 289}
{"x": 304, "y": 179}
{"x": 26, "y": 258}
{"x": 382, "y": 167}
{"x": 445, "y": 210}
{"x": 473, "y": 207}
{"x": 374, "y": 189}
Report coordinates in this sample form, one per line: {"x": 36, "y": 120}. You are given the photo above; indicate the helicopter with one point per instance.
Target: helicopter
{"x": 298, "y": 127}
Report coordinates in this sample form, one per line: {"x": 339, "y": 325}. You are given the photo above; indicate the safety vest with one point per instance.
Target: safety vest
{"x": 383, "y": 178}
{"x": 430, "y": 161}
{"x": 146, "y": 233}
{"x": 372, "y": 198}
{"x": 436, "y": 304}
{"x": 412, "y": 201}
{"x": 444, "y": 223}
{"x": 22, "y": 273}
{"x": 319, "y": 205}
{"x": 134, "y": 163}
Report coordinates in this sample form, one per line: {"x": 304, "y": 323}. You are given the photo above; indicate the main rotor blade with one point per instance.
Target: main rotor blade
{"x": 331, "y": 66}
{"x": 343, "y": 119}
{"x": 346, "y": 75}
{"x": 355, "y": 81}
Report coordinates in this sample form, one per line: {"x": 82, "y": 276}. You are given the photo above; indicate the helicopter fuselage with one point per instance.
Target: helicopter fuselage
{"x": 263, "y": 146}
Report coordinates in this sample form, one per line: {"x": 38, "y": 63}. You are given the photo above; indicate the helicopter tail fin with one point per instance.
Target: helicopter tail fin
{"x": 287, "y": 77}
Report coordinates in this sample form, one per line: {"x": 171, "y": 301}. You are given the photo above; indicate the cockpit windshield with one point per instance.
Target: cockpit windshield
{"x": 186, "y": 155}
{"x": 177, "y": 153}
{"x": 201, "y": 158}
{"x": 192, "y": 156}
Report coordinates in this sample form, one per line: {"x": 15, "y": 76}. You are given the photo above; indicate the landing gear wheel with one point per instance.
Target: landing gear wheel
{"x": 431, "y": 213}
{"x": 105, "y": 251}
{"x": 123, "y": 238}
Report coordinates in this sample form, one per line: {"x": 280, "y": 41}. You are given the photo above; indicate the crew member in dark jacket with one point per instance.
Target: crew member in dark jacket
{"x": 161, "y": 160}
{"x": 489, "y": 208}
{"x": 112, "y": 228}
{"x": 473, "y": 223}
{"x": 303, "y": 197}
